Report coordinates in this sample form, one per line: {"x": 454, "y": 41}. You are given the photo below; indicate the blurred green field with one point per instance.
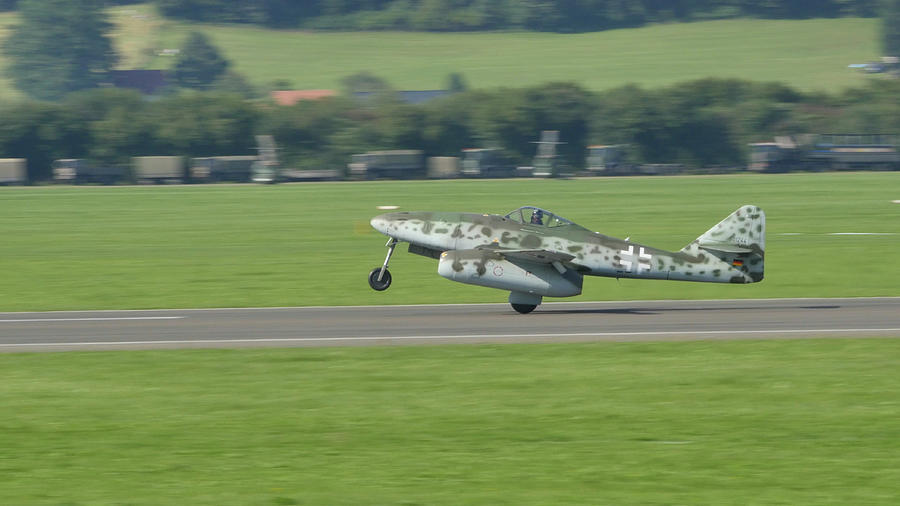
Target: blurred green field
{"x": 753, "y": 422}
{"x": 807, "y": 54}
{"x": 810, "y": 55}
{"x": 7, "y": 91}
{"x": 69, "y": 247}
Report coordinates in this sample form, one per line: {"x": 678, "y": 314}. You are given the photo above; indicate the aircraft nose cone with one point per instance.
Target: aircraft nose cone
{"x": 379, "y": 223}
{"x": 382, "y": 223}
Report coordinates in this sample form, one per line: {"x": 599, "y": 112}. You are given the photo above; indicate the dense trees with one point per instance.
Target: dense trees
{"x": 60, "y": 46}
{"x": 109, "y": 126}
{"x": 699, "y": 123}
{"x": 8, "y": 5}
{"x": 199, "y": 63}
{"x": 452, "y": 15}
{"x": 890, "y": 27}
{"x": 479, "y": 14}
{"x": 549, "y": 15}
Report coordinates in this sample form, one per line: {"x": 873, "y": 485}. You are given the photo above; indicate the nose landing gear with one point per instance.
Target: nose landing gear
{"x": 380, "y": 277}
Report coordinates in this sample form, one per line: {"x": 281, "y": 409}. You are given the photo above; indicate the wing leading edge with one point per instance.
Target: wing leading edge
{"x": 539, "y": 256}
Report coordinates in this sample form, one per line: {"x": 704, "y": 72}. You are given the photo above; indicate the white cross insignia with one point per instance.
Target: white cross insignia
{"x": 642, "y": 259}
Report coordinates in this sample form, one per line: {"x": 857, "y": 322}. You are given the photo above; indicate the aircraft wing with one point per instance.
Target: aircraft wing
{"x": 539, "y": 256}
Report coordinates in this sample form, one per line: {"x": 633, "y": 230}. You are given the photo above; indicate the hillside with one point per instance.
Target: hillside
{"x": 7, "y": 91}
{"x": 809, "y": 54}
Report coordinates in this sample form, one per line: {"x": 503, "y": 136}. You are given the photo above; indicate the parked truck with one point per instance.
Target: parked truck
{"x": 13, "y": 171}
{"x": 612, "y": 160}
{"x": 486, "y": 162}
{"x": 267, "y": 166}
{"x": 79, "y": 170}
{"x": 826, "y": 152}
{"x": 222, "y": 168}
{"x": 607, "y": 159}
{"x": 443, "y": 167}
{"x": 158, "y": 169}
{"x": 396, "y": 164}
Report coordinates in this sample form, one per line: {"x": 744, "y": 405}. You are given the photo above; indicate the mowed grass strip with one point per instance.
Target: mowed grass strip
{"x": 311, "y": 244}
{"x": 753, "y": 422}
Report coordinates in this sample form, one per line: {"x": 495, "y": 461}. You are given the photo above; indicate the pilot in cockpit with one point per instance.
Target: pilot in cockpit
{"x": 538, "y": 217}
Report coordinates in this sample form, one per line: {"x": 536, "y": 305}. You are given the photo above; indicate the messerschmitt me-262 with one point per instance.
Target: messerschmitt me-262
{"x": 533, "y": 253}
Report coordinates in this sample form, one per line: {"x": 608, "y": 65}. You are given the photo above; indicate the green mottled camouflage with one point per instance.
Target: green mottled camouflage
{"x": 733, "y": 251}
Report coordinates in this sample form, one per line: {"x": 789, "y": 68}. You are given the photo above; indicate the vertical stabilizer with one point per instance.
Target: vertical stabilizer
{"x": 744, "y": 228}
{"x": 738, "y": 241}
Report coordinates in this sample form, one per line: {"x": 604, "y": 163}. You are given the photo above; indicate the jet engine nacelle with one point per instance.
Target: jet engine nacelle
{"x": 491, "y": 269}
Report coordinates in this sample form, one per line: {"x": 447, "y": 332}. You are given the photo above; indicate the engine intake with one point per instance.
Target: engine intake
{"x": 493, "y": 270}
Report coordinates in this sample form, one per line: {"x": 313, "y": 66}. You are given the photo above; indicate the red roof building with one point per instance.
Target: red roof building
{"x": 291, "y": 97}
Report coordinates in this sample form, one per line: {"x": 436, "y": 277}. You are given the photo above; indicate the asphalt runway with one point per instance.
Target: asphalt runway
{"x": 469, "y": 323}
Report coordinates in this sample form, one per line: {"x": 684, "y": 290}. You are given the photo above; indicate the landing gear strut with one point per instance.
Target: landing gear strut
{"x": 380, "y": 277}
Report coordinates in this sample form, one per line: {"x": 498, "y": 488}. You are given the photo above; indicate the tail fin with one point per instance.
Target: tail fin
{"x": 739, "y": 240}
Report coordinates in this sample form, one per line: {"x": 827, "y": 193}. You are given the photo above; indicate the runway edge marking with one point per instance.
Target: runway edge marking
{"x": 479, "y": 304}
{"x": 98, "y": 319}
{"x": 458, "y": 336}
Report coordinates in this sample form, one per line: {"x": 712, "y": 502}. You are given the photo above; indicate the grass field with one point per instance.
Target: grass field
{"x": 311, "y": 244}
{"x": 755, "y": 422}
{"x": 806, "y": 54}
{"x": 762, "y": 422}
{"x": 810, "y": 54}
{"x": 7, "y": 91}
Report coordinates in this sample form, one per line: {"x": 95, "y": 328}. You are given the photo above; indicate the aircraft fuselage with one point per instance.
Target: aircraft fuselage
{"x": 592, "y": 253}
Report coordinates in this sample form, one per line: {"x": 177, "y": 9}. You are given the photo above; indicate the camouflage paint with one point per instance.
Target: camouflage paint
{"x": 733, "y": 251}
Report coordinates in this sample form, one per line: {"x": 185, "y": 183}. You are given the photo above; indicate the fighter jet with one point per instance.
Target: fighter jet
{"x": 534, "y": 253}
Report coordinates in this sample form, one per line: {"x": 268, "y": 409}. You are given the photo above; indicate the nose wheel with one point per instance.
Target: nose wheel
{"x": 380, "y": 277}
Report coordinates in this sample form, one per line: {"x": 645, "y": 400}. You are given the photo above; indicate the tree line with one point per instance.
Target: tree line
{"x": 11, "y": 5}
{"x": 51, "y": 55}
{"x": 461, "y": 15}
{"x": 456, "y": 15}
{"x": 48, "y": 58}
{"x": 700, "y": 124}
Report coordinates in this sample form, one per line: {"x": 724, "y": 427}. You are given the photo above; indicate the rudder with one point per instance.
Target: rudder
{"x": 739, "y": 241}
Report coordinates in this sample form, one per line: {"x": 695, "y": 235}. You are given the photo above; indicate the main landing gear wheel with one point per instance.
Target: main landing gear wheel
{"x": 524, "y": 308}
{"x": 524, "y": 303}
{"x": 375, "y": 283}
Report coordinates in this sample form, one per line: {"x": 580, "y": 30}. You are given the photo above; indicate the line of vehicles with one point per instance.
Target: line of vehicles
{"x": 822, "y": 152}
{"x": 826, "y": 152}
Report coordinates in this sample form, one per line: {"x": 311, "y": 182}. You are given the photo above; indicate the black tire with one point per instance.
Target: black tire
{"x": 382, "y": 285}
{"x": 524, "y": 308}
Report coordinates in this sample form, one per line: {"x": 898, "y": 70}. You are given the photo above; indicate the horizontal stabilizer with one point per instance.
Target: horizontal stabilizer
{"x": 724, "y": 247}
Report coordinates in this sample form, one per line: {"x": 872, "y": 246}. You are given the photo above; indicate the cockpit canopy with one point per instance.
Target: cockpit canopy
{"x": 538, "y": 217}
